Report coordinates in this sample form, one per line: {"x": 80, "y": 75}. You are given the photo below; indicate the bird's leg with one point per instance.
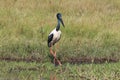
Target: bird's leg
{"x": 57, "y": 46}
{"x": 52, "y": 53}
{"x": 57, "y": 59}
{"x": 59, "y": 62}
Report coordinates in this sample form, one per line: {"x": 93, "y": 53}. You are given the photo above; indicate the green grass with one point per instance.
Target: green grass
{"x": 35, "y": 71}
{"x": 91, "y": 30}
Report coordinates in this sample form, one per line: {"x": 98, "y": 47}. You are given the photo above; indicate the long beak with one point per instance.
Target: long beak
{"x": 62, "y": 22}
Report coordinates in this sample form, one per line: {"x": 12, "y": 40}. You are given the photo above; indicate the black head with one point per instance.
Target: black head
{"x": 59, "y": 17}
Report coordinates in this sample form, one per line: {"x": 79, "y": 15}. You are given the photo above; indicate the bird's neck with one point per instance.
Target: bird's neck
{"x": 58, "y": 26}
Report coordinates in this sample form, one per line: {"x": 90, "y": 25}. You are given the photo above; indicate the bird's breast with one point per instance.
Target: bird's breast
{"x": 57, "y": 35}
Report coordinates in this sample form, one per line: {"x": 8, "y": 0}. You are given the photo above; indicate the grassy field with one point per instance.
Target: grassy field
{"x": 92, "y": 29}
{"x": 40, "y": 71}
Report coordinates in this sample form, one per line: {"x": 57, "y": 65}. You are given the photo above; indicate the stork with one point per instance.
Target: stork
{"x": 55, "y": 36}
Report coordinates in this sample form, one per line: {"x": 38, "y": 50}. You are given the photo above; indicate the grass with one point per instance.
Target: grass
{"x": 91, "y": 30}
{"x": 35, "y": 71}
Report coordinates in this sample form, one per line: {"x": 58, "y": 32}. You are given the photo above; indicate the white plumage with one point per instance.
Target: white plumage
{"x": 56, "y": 37}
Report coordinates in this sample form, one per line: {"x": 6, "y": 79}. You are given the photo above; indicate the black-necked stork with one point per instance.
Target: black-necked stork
{"x": 55, "y": 36}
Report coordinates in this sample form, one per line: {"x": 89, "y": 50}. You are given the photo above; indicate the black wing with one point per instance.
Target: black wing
{"x": 50, "y": 37}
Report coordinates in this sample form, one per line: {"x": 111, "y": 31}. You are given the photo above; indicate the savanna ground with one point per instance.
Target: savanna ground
{"x": 92, "y": 33}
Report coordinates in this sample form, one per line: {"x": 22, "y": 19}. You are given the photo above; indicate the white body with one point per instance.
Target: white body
{"x": 56, "y": 36}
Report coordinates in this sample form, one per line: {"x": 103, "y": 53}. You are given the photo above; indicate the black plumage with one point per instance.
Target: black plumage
{"x": 50, "y": 37}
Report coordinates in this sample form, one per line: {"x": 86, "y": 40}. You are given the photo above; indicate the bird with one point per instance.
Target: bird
{"x": 54, "y": 36}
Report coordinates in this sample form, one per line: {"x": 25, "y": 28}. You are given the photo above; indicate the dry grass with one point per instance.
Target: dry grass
{"x": 92, "y": 27}
{"x": 92, "y": 30}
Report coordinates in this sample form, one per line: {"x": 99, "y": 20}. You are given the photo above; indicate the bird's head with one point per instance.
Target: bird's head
{"x": 59, "y": 17}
